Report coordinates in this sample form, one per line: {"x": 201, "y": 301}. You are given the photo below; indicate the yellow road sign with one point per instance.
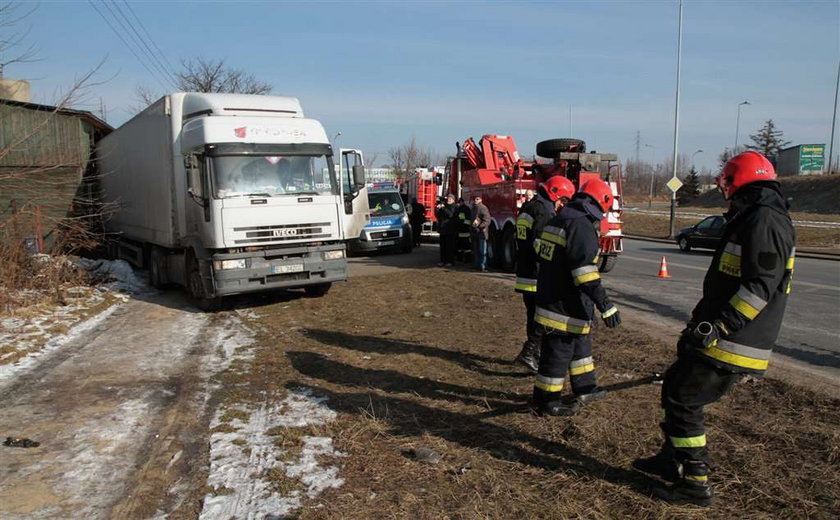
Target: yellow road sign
{"x": 674, "y": 184}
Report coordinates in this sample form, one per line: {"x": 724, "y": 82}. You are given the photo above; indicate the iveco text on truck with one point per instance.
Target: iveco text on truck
{"x": 230, "y": 193}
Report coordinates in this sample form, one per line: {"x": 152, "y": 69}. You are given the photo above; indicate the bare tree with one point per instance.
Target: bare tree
{"x": 406, "y": 157}
{"x": 208, "y": 75}
{"x": 12, "y": 48}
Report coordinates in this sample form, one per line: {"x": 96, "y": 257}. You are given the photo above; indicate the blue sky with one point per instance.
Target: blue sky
{"x": 380, "y": 72}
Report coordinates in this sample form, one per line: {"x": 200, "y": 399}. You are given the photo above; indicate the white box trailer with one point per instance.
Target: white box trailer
{"x": 224, "y": 194}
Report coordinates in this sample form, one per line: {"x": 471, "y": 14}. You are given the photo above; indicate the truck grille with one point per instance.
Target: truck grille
{"x": 260, "y": 234}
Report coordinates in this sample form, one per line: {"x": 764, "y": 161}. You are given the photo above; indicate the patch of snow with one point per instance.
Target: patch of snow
{"x": 117, "y": 275}
{"x": 240, "y": 472}
{"x": 54, "y": 343}
{"x": 310, "y": 472}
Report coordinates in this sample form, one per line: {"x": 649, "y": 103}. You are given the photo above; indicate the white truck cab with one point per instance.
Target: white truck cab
{"x": 226, "y": 194}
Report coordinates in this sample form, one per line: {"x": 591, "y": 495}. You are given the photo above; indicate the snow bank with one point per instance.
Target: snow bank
{"x": 240, "y": 471}
{"x": 29, "y": 334}
{"x": 116, "y": 275}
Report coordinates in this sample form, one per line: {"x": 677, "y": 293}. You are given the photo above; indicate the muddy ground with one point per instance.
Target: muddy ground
{"x": 412, "y": 358}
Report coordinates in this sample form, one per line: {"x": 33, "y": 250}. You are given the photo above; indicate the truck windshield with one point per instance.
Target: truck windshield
{"x": 384, "y": 204}
{"x": 272, "y": 175}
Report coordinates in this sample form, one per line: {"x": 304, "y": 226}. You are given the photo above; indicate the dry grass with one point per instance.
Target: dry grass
{"x": 401, "y": 380}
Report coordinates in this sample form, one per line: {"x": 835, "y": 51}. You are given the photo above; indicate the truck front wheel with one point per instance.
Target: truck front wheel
{"x": 607, "y": 263}
{"x": 507, "y": 249}
{"x": 195, "y": 286}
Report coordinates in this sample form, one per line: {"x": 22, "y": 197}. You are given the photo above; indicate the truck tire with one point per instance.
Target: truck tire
{"x": 507, "y": 249}
{"x": 553, "y": 147}
{"x": 607, "y": 263}
{"x": 157, "y": 269}
{"x": 492, "y": 249}
{"x": 315, "y": 291}
{"x": 195, "y": 288}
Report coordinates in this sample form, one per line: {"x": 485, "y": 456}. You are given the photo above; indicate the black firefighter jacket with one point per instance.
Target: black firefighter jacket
{"x": 568, "y": 281}
{"x": 532, "y": 218}
{"x": 747, "y": 284}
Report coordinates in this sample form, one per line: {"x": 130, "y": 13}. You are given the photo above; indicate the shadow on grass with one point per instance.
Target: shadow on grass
{"x": 410, "y": 418}
{"x": 383, "y": 345}
{"x": 318, "y": 366}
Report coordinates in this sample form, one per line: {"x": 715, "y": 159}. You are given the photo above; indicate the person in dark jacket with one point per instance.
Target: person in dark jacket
{"x": 416, "y": 219}
{"x": 480, "y": 221}
{"x": 448, "y": 230}
{"x": 464, "y": 248}
{"x": 533, "y": 216}
{"x": 568, "y": 284}
{"x": 732, "y": 329}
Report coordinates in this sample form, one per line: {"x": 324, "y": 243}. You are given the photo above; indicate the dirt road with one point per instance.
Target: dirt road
{"x": 120, "y": 413}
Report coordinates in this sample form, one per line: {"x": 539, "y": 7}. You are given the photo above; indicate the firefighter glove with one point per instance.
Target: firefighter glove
{"x": 611, "y": 317}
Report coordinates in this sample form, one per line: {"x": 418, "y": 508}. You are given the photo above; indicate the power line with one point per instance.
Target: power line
{"x": 138, "y": 45}
{"x": 128, "y": 46}
{"x": 149, "y": 36}
{"x": 160, "y": 65}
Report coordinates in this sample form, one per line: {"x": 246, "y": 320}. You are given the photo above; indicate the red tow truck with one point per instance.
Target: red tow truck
{"x": 493, "y": 168}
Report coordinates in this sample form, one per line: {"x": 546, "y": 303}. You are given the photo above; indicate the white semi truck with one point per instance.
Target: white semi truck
{"x": 230, "y": 193}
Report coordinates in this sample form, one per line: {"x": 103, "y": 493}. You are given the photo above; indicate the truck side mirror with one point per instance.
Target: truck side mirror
{"x": 359, "y": 175}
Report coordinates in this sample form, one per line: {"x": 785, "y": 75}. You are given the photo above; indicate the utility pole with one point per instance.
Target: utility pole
{"x": 571, "y": 133}
{"x": 672, "y": 228}
{"x": 833, "y": 120}
{"x": 638, "y": 144}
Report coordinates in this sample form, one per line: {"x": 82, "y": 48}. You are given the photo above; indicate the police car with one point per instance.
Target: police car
{"x": 388, "y": 228}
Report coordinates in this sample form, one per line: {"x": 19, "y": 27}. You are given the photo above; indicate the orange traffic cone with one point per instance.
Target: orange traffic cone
{"x": 663, "y": 269}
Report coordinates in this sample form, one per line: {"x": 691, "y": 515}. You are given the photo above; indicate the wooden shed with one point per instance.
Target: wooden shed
{"x": 45, "y": 153}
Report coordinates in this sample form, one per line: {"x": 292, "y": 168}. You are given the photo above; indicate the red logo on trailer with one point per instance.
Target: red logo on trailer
{"x": 241, "y": 131}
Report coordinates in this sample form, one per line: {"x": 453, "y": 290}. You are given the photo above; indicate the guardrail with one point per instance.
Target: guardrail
{"x": 801, "y": 223}
{"x": 800, "y": 253}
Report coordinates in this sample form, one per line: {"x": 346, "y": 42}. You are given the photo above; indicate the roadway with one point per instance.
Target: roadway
{"x": 810, "y": 332}
{"x": 810, "y": 335}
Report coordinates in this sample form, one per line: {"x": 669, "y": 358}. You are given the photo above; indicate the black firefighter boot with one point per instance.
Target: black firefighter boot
{"x": 544, "y": 406}
{"x": 530, "y": 355}
{"x": 663, "y": 464}
{"x": 692, "y": 488}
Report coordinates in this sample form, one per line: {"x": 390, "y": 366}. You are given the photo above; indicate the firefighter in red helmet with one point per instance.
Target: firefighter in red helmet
{"x": 533, "y": 216}
{"x": 732, "y": 329}
{"x": 568, "y": 287}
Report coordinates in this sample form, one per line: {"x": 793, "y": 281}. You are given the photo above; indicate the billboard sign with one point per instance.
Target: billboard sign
{"x": 811, "y": 158}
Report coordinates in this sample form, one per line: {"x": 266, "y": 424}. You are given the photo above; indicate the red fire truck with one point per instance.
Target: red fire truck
{"x": 493, "y": 168}
{"x": 425, "y": 185}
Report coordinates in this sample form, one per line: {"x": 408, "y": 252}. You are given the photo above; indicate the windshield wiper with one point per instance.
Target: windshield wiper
{"x": 256, "y": 195}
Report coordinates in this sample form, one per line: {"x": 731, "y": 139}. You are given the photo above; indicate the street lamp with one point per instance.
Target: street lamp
{"x": 692, "y": 157}
{"x": 652, "y": 171}
{"x": 738, "y": 123}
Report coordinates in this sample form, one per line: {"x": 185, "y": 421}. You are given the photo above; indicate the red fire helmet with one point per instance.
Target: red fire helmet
{"x": 743, "y": 169}
{"x": 600, "y": 191}
{"x": 558, "y": 187}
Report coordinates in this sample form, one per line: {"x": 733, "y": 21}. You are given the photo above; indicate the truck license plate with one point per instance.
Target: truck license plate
{"x": 293, "y": 268}
{"x": 386, "y": 242}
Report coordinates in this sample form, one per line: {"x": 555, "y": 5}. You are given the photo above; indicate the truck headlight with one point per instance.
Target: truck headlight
{"x": 239, "y": 263}
{"x": 334, "y": 255}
